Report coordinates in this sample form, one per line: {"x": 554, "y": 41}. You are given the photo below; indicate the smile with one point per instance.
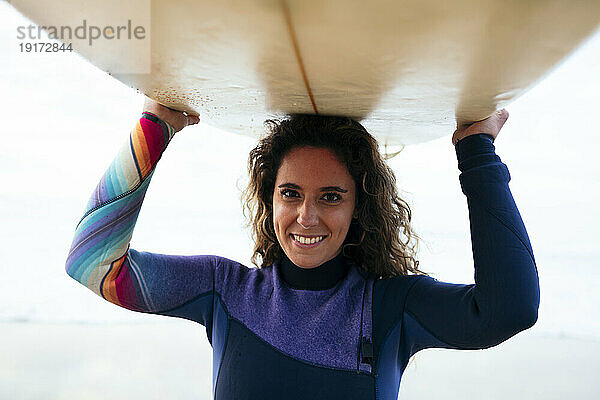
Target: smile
{"x": 307, "y": 240}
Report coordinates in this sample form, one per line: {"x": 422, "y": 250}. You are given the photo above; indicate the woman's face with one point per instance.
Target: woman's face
{"x": 313, "y": 205}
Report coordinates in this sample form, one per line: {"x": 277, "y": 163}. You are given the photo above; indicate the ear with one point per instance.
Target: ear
{"x": 355, "y": 214}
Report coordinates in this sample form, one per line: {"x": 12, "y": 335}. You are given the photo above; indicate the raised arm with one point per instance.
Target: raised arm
{"x": 100, "y": 257}
{"x": 505, "y": 297}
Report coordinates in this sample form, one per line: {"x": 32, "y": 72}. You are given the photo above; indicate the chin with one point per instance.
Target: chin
{"x": 309, "y": 261}
{"x": 303, "y": 262}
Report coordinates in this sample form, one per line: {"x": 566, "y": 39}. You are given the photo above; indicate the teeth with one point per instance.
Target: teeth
{"x": 306, "y": 240}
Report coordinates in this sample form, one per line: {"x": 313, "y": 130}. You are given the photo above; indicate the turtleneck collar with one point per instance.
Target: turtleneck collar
{"x": 325, "y": 276}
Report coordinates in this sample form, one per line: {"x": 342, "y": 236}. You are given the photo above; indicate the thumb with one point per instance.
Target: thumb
{"x": 503, "y": 117}
{"x": 192, "y": 119}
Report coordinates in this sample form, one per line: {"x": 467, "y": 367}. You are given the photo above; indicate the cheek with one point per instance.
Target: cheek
{"x": 280, "y": 216}
{"x": 276, "y": 216}
{"x": 340, "y": 221}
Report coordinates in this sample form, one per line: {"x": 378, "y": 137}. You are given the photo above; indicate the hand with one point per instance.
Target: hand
{"x": 491, "y": 125}
{"x": 177, "y": 119}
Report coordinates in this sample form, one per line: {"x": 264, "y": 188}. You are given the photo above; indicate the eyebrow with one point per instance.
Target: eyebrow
{"x": 323, "y": 189}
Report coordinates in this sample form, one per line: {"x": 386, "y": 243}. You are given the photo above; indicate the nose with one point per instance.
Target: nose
{"x": 307, "y": 215}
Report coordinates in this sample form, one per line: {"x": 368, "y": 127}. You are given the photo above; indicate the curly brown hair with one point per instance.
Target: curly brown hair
{"x": 380, "y": 241}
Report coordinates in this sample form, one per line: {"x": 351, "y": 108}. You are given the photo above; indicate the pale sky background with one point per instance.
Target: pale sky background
{"x": 64, "y": 121}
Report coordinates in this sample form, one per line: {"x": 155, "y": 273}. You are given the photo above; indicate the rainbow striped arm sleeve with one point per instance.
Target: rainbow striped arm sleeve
{"x": 100, "y": 257}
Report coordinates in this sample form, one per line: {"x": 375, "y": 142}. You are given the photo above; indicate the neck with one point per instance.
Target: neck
{"x": 325, "y": 276}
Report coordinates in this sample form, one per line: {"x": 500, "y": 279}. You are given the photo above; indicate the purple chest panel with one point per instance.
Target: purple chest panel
{"x": 321, "y": 327}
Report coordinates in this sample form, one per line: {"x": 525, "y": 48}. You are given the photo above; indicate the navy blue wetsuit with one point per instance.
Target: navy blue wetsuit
{"x": 332, "y": 332}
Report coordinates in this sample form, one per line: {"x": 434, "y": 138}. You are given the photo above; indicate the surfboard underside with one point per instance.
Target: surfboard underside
{"x": 409, "y": 70}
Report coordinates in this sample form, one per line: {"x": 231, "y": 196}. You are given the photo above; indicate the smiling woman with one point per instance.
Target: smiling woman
{"x": 337, "y": 306}
{"x": 312, "y": 209}
{"x": 333, "y": 160}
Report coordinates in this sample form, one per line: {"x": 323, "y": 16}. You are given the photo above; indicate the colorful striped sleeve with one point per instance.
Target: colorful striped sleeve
{"x": 100, "y": 257}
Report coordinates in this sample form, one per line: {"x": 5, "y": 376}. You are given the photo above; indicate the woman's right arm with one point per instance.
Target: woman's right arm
{"x": 100, "y": 257}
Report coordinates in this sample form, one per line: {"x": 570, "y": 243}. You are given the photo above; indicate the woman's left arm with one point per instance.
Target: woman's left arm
{"x": 505, "y": 297}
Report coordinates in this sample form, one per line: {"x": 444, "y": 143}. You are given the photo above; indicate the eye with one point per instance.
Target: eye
{"x": 332, "y": 197}
{"x": 289, "y": 193}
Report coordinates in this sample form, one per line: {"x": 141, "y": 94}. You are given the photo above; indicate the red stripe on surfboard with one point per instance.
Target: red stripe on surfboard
{"x": 288, "y": 20}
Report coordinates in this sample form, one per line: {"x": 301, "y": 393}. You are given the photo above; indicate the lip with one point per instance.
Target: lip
{"x": 307, "y": 246}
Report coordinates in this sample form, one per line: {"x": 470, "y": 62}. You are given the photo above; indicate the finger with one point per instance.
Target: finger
{"x": 193, "y": 119}
{"x": 503, "y": 116}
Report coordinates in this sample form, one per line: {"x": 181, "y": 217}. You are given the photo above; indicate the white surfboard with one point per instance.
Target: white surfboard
{"x": 407, "y": 69}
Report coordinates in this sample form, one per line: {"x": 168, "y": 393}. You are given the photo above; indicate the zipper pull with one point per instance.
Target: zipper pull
{"x": 366, "y": 351}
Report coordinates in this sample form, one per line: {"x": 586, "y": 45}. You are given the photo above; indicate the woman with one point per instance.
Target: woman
{"x": 338, "y": 304}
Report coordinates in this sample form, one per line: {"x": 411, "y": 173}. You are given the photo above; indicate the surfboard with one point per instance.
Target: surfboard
{"x": 408, "y": 70}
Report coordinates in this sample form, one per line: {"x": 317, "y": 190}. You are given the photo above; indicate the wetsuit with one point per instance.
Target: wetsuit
{"x": 333, "y": 332}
